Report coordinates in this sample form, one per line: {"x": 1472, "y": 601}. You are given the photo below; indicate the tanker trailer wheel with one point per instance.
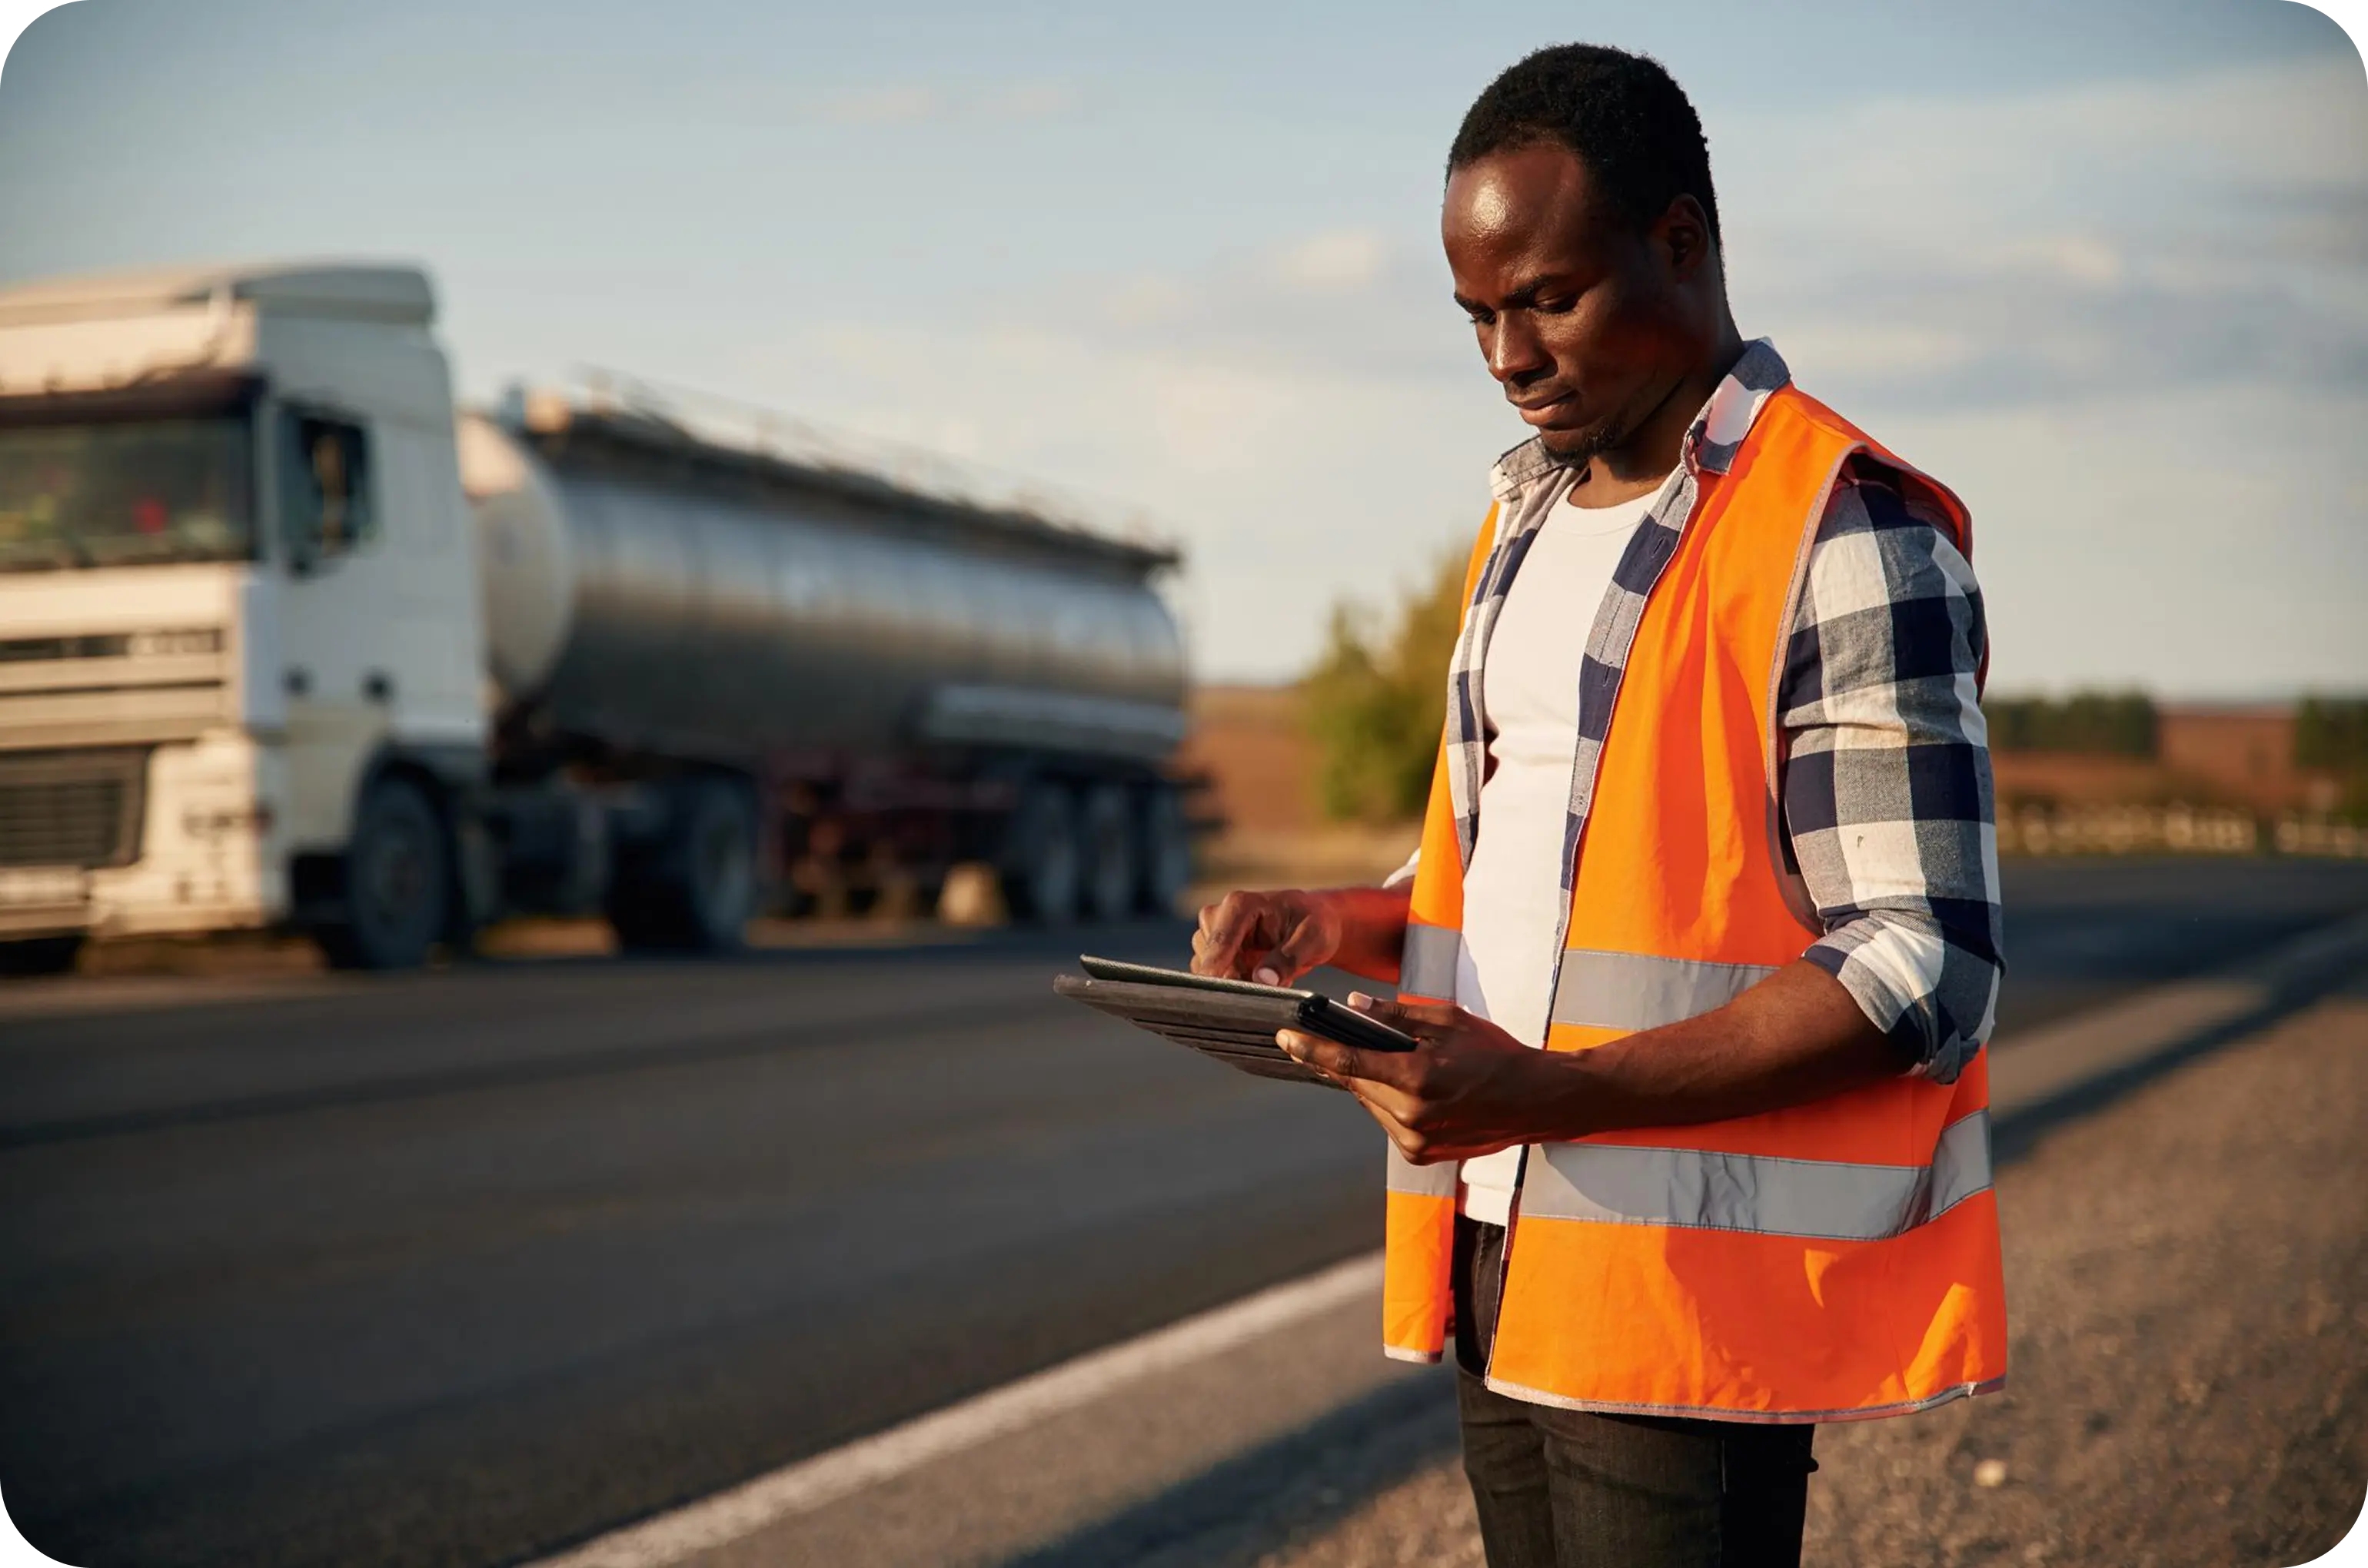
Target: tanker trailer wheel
{"x": 1106, "y": 832}
{"x": 1038, "y": 866}
{"x": 1166, "y": 853}
{"x": 40, "y": 955}
{"x": 695, "y": 894}
{"x": 398, "y": 882}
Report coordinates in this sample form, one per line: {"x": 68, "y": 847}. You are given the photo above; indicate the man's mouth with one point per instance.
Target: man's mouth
{"x": 1551, "y": 412}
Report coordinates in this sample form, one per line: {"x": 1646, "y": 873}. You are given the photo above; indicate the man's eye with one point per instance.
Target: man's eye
{"x": 1558, "y": 304}
{"x": 1480, "y": 318}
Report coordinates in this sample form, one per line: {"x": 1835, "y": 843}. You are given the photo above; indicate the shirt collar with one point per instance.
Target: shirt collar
{"x": 1711, "y": 441}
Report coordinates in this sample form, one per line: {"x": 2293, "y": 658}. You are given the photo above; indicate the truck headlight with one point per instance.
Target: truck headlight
{"x": 201, "y": 822}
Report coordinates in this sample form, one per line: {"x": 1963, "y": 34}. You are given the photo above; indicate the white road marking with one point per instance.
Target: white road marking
{"x": 682, "y": 1533}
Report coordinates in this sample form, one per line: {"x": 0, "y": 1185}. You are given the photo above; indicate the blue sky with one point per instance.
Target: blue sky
{"x": 2100, "y": 266}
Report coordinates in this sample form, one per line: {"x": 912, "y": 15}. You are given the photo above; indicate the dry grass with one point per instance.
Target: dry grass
{"x": 1326, "y": 854}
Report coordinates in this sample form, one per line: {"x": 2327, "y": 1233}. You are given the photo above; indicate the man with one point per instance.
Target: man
{"x": 1711, "y": 824}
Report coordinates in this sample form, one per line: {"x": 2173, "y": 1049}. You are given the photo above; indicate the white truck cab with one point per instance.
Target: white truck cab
{"x": 238, "y": 605}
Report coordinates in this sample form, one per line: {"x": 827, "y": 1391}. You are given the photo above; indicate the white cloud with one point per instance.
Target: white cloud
{"x": 1147, "y": 298}
{"x": 1288, "y": 486}
{"x": 2063, "y": 246}
{"x": 2089, "y": 261}
{"x": 2129, "y": 324}
{"x": 1917, "y": 163}
{"x": 2179, "y": 540}
{"x": 883, "y": 106}
{"x": 1349, "y": 259}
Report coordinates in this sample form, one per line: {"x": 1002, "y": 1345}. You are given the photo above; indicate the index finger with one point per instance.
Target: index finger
{"x": 1221, "y": 927}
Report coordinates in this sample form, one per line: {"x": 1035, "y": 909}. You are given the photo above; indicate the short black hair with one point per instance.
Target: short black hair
{"x": 1622, "y": 114}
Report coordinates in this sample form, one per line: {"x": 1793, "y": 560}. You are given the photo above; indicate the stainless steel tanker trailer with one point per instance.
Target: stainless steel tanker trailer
{"x": 918, "y": 682}
{"x": 282, "y": 641}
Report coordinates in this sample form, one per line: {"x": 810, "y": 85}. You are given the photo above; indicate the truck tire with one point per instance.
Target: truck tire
{"x": 1106, "y": 832}
{"x": 697, "y": 893}
{"x": 1040, "y": 867}
{"x": 398, "y": 882}
{"x": 40, "y": 955}
{"x": 1167, "y": 855}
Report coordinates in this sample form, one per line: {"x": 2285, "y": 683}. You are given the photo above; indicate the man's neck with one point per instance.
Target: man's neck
{"x": 1645, "y": 456}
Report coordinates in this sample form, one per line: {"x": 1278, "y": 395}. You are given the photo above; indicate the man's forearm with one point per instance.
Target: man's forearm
{"x": 1795, "y": 1038}
{"x": 1372, "y": 930}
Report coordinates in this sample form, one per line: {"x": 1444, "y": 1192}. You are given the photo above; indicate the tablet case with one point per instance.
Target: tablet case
{"x": 1233, "y": 1022}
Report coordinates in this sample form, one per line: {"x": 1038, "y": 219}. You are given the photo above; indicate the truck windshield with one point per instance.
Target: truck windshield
{"x": 126, "y": 492}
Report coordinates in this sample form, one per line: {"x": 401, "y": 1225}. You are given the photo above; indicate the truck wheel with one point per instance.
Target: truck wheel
{"x": 1166, "y": 854}
{"x": 1106, "y": 830}
{"x": 718, "y": 883}
{"x": 697, "y": 895}
{"x": 40, "y": 955}
{"x": 398, "y": 882}
{"x": 1041, "y": 860}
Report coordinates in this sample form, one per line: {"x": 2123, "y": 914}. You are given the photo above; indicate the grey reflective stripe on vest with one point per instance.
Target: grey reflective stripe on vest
{"x": 1961, "y": 1165}
{"x": 1427, "y": 964}
{"x": 1427, "y": 1181}
{"x": 1703, "y": 1190}
{"x": 1636, "y": 990}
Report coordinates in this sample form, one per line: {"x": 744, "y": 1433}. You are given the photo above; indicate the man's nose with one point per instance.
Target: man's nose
{"x": 1515, "y": 354}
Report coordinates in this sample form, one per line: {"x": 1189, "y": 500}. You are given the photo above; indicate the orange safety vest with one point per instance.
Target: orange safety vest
{"x": 1835, "y": 1260}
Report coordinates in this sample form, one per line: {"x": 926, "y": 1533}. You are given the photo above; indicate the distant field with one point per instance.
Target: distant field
{"x": 1252, "y": 744}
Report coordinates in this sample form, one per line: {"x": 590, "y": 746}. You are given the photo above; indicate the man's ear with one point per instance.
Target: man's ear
{"x": 1684, "y": 235}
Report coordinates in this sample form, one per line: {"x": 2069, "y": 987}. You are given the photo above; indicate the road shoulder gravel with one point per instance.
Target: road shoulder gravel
{"x": 2187, "y": 1273}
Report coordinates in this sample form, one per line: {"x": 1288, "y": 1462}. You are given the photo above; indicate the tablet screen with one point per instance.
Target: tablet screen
{"x": 1147, "y": 974}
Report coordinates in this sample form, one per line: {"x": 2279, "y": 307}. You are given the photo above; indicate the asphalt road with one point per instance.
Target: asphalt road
{"x": 461, "y": 1267}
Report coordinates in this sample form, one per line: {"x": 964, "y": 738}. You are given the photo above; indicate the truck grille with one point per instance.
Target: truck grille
{"x": 72, "y": 808}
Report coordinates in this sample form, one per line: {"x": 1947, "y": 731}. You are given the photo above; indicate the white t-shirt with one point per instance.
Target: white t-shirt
{"x": 1513, "y": 903}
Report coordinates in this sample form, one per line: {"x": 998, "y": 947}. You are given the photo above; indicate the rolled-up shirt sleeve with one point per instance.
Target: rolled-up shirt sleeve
{"x": 1888, "y": 806}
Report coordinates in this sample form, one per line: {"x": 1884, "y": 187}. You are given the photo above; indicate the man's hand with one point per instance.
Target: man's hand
{"x": 1796, "y": 1038}
{"x": 1470, "y": 1089}
{"x": 1275, "y": 937}
{"x": 1271, "y": 937}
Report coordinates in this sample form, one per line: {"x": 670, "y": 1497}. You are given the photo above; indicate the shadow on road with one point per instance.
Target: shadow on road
{"x": 2339, "y": 971}
{"x": 1236, "y": 1512}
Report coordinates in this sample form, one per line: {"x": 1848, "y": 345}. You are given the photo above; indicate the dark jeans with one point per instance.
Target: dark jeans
{"x": 1574, "y": 1489}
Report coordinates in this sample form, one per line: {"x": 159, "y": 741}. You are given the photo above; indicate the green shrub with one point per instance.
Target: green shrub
{"x": 1375, "y": 705}
{"x": 2091, "y": 723}
{"x": 2332, "y": 733}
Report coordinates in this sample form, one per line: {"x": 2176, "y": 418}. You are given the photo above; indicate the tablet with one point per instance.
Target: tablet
{"x": 1232, "y": 1020}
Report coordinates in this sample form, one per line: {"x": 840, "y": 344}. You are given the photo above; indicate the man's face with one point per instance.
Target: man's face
{"x": 1582, "y": 317}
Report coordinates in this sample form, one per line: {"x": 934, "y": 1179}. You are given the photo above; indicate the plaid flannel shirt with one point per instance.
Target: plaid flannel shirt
{"x": 1887, "y": 804}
